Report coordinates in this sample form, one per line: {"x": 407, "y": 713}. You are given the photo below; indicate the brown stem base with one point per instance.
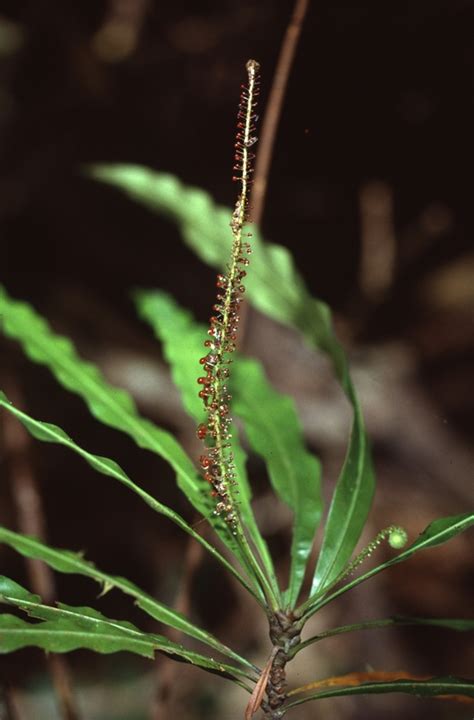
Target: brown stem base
{"x": 284, "y": 634}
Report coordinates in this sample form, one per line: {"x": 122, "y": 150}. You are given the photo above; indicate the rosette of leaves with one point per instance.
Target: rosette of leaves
{"x": 272, "y": 430}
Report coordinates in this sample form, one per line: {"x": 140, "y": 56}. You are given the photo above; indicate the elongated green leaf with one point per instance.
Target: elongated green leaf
{"x": 273, "y": 429}
{"x": 110, "y": 405}
{"x": 182, "y": 339}
{"x": 437, "y": 533}
{"x": 457, "y": 624}
{"x": 66, "y": 635}
{"x": 273, "y": 284}
{"x": 46, "y": 432}
{"x": 11, "y": 593}
{"x": 349, "y": 508}
{"x": 424, "y": 688}
{"x": 66, "y": 561}
{"x": 276, "y": 289}
{"x": 271, "y": 425}
{"x": 65, "y": 628}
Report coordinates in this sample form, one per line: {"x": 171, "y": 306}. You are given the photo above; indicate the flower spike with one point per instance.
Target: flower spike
{"x": 397, "y": 538}
{"x": 217, "y": 462}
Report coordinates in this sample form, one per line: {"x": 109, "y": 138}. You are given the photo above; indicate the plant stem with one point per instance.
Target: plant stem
{"x": 285, "y": 634}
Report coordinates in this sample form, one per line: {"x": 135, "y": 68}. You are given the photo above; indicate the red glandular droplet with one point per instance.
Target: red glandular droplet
{"x": 204, "y": 461}
{"x": 201, "y": 432}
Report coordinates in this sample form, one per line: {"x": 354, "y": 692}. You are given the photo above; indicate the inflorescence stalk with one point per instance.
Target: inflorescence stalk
{"x": 217, "y": 461}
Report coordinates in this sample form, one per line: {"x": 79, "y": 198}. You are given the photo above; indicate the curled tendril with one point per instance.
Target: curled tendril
{"x": 397, "y": 538}
{"x": 217, "y": 461}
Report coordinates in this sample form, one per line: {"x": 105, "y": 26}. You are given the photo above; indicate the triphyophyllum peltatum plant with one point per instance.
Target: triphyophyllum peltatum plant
{"x": 219, "y": 490}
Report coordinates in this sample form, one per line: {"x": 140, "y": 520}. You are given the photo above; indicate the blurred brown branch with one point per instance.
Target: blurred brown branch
{"x": 31, "y": 521}
{"x": 167, "y": 671}
{"x": 118, "y": 37}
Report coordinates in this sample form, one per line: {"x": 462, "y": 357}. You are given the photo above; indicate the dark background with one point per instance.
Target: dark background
{"x": 377, "y": 123}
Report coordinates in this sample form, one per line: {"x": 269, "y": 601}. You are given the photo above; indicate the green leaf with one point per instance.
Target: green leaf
{"x": 350, "y": 504}
{"x": 273, "y": 284}
{"x": 46, "y": 432}
{"x": 270, "y": 421}
{"x": 422, "y": 688}
{"x": 68, "y": 628}
{"x": 182, "y": 339}
{"x": 275, "y": 288}
{"x": 437, "y": 533}
{"x": 273, "y": 430}
{"x": 457, "y": 624}
{"x": 66, "y": 561}
{"x": 110, "y": 405}
{"x": 66, "y": 635}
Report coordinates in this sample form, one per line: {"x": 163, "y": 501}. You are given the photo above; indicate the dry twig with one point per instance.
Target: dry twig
{"x": 31, "y": 521}
{"x": 167, "y": 668}
{"x": 271, "y": 119}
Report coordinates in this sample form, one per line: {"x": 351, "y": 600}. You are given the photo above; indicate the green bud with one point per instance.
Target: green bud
{"x": 397, "y": 538}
